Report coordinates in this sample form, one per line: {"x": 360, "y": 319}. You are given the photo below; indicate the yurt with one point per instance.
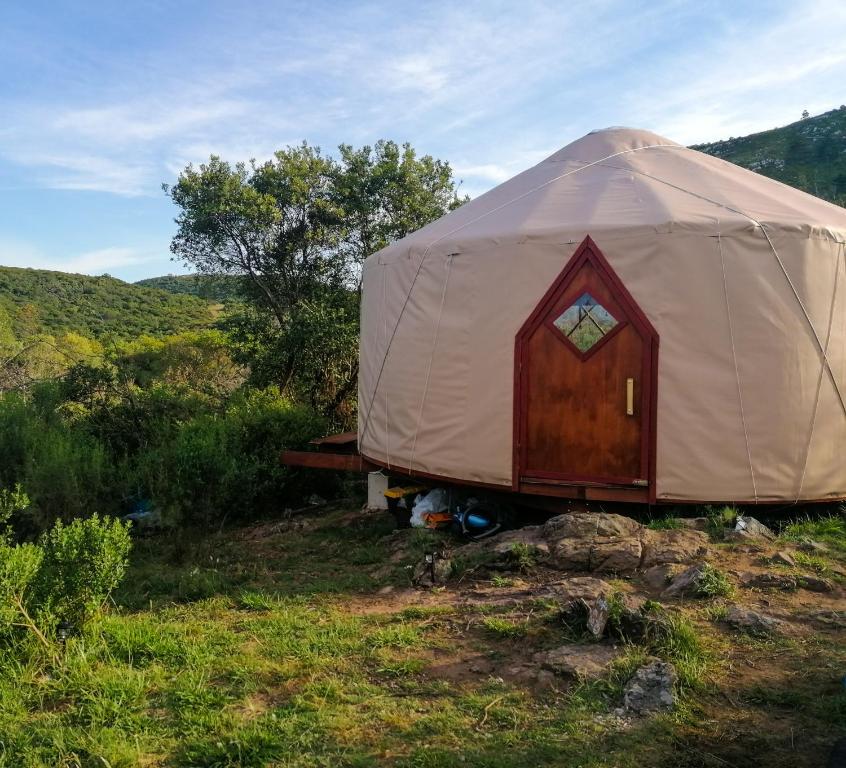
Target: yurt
{"x": 627, "y": 320}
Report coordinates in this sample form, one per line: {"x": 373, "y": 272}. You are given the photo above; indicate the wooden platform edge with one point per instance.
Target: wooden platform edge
{"x": 347, "y": 462}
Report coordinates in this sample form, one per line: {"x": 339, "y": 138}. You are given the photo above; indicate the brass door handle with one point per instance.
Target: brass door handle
{"x": 629, "y": 397}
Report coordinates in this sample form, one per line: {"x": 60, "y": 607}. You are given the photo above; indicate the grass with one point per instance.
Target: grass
{"x": 277, "y": 649}
{"x": 829, "y": 530}
{"x": 714, "y": 583}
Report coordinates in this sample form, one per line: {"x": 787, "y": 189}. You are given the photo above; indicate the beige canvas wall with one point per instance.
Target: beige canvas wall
{"x": 737, "y": 273}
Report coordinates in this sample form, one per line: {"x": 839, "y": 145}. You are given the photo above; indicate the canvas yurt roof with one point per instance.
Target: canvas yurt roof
{"x": 740, "y": 276}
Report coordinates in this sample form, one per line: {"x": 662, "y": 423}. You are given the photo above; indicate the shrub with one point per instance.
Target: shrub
{"x": 11, "y": 502}
{"x": 19, "y": 567}
{"x": 82, "y": 563}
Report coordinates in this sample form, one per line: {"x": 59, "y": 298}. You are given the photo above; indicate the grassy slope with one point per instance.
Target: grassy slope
{"x": 94, "y": 306}
{"x": 809, "y": 154}
{"x": 275, "y": 648}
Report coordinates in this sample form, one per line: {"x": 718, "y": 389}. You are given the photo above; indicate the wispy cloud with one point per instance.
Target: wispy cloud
{"x": 16, "y": 253}
{"x": 126, "y": 99}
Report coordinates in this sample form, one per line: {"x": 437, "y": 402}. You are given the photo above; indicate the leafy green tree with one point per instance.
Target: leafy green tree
{"x": 296, "y": 229}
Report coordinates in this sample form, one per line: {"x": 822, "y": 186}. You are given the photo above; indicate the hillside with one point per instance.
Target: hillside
{"x": 809, "y": 154}
{"x": 222, "y": 288}
{"x": 33, "y": 300}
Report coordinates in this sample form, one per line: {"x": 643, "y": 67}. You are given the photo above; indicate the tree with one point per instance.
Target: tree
{"x": 805, "y": 114}
{"x": 387, "y": 192}
{"x": 297, "y": 229}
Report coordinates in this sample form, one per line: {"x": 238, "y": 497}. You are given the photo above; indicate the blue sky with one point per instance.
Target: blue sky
{"x": 101, "y": 102}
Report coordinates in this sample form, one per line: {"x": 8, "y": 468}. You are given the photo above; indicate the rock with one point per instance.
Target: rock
{"x": 583, "y": 662}
{"x": 749, "y": 621}
{"x": 674, "y": 546}
{"x": 615, "y": 554}
{"x": 572, "y": 554}
{"x": 809, "y": 545}
{"x": 829, "y": 619}
{"x": 585, "y": 588}
{"x": 783, "y": 558}
{"x": 589, "y": 524}
{"x": 660, "y": 576}
{"x": 768, "y": 581}
{"x": 815, "y": 584}
{"x": 428, "y": 574}
{"x": 750, "y": 528}
{"x": 581, "y": 615}
{"x": 687, "y": 583}
{"x": 650, "y": 689}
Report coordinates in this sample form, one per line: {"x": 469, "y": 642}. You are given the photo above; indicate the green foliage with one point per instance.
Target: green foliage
{"x": 668, "y": 523}
{"x": 19, "y": 567}
{"x": 505, "y": 627}
{"x": 713, "y": 583}
{"x": 36, "y": 301}
{"x": 806, "y": 154}
{"x": 226, "y": 466}
{"x": 522, "y": 555}
{"x": 829, "y": 530}
{"x": 82, "y": 564}
{"x": 212, "y": 287}
{"x": 11, "y": 502}
{"x": 294, "y": 231}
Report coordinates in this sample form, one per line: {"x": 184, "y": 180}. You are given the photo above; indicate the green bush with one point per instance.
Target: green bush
{"x": 82, "y": 563}
{"x": 225, "y": 467}
{"x": 19, "y": 567}
{"x": 11, "y": 502}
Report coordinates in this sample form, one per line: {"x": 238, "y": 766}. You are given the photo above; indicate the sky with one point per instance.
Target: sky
{"x": 103, "y": 102}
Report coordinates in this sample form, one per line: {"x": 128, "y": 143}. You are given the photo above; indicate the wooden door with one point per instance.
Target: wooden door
{"x": 585, "y": 382}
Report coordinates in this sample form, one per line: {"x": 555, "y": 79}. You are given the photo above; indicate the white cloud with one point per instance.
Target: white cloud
{"x": 16, "y": 253}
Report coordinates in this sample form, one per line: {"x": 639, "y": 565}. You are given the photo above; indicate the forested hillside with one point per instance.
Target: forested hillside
{"x": 809, "y": 154}
{"x": 35, "y": 301}
{"x": 220, "y": 288}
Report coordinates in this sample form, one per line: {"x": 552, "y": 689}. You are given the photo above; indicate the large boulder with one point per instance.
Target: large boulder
{"x": 615, "y": 554}
{"x": 673, "y": 546}
{"x": 582, "y": 525}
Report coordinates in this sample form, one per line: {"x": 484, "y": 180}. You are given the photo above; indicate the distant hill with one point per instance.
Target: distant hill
{"x": 222, "y": 288}
{"x": 57, "y": 302}
{"x": 809, "y": 154}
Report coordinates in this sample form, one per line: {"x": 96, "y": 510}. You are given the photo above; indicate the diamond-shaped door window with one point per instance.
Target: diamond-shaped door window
{"x": 585, "y": 322}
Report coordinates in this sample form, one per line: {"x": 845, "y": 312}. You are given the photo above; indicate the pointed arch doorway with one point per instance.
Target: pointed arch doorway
{"x": 585, "y": 383}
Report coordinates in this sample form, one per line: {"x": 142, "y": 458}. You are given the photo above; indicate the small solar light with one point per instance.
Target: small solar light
{"x": 64, "y": 630}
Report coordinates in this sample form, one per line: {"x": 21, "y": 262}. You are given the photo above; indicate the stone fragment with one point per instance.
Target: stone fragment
{"x": 585, "y": 588}
{"x": 768, "y": 581}
{"x": 650, "y": 689}
{"x": 660, "y": 576}
{"x": 583, "y": 662}
{"x": 816, "y": 584}
{"x": 428, "y": 573}
{"x": 783, "y": 558}
{"x": 750, "y": 528}
{"x": 687, "y": 583}
{"x": 749, "y": 621}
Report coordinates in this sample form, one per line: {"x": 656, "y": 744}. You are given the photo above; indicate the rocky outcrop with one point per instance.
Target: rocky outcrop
{"x": 601, "y": 542}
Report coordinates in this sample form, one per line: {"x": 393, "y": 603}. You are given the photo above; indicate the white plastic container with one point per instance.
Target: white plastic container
{"x": 377, "y": 484}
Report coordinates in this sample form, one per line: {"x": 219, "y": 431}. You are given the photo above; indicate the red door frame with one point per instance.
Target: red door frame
{"x": 588, "y": 252}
